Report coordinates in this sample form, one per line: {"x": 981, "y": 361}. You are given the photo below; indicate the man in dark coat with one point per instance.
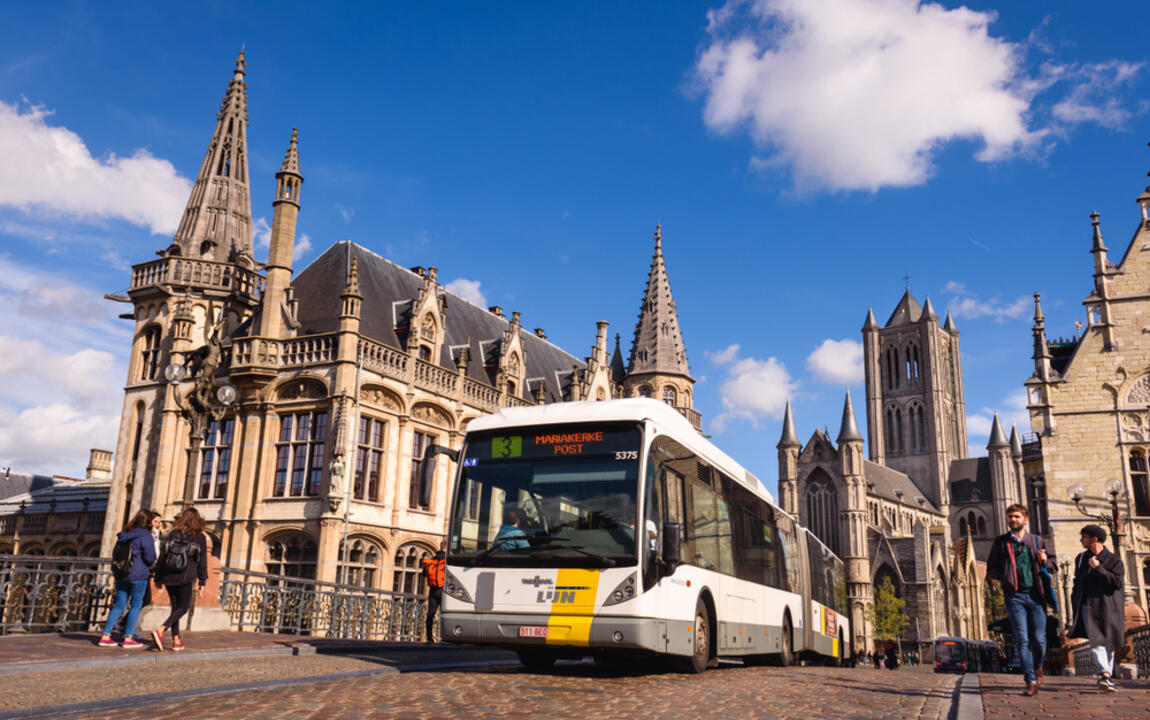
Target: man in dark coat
{"x": 1015, "y": 560}
{"x": 1097, "y": 601}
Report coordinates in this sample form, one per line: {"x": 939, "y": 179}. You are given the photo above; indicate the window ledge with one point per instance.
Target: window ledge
{"x": 421, "y": 511}
{"x": 292, "y": 498}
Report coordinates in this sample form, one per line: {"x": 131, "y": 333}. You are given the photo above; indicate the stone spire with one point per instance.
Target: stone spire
{"x": 928, "y": 312}
{"x": 217, "y": 222}
{"x": 277, "y": 312}
{"x": 871, "y": 323}
{"x": 1041, "y": 354}
{"x": 1015, "y": 442}
{"x": 849, "y": 432}
{"x": 790, "y": 438}
{"x": 949, "y": 325}
{"x": 618, "y": 369}
{"x": 658, "y": 344}
{"x": 997, "y": 436}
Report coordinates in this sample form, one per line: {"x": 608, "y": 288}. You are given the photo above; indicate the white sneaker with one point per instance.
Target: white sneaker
{"x": 1107, "y": 685}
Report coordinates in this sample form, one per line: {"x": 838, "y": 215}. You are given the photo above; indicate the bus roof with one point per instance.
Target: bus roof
{"x": 633, "y": 409}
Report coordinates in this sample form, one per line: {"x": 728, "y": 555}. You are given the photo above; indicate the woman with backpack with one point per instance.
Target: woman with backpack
{"x": 183, "y": 563}
{"x": 132, "y": 557}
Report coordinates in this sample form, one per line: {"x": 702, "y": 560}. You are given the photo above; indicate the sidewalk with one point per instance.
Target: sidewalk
{"x": 1064, "y": 697}
{"x": 48, "y": 651}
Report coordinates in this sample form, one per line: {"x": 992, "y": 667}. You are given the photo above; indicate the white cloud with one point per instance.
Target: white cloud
{"x": 261, "y": 232}
{"x": 346, "y": 213}
{"x": 54, "y": 439}
{"x": 1092, "y": 97}
{"x": 50, "y": 169}
{"x": 468, "y": 290}
{"x": 860, "y": 94}
{"x": 302, "y": 246}
{"x": 839, "y": 362}
{"x": 966, "y": 305}
{"x": 752, "y": 389}
{"x": 725, "y": 356}
{"x": 1011, "y": 411}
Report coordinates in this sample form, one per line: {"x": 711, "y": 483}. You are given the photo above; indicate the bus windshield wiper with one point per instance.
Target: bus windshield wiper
{"x": 551, "y": 544}
{"x": 476, "y": 559}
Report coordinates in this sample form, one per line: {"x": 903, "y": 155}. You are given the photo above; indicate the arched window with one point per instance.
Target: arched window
{"x": 822, "y": 509}
{"x": 981, "y": 526}
{"x": 899, "y": 442}
{"x": 427, "y": 329}
{"x": 292, "y": 556}
{"x": 408, "y": 576}
{"x": 645, "y": 391}
{"x": 891, "y": 445}
{"x": 670, "y": 396}
{"x": 921, "y": 423}
{"x": 962, "y": 527}
{"x": 1138, "y": 477}
{"x": 912, "y": 367}
{"x": 1036, "y": 503}
{"x": 150, "y": 353}
{"x": 363, "y": 557}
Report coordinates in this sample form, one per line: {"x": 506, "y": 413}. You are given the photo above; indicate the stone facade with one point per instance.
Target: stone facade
{"x": 55, "y": 516}
{"x": 1089, "y": 405}
{"x": 292, "y": 409}
{"x": 918, "y": 510}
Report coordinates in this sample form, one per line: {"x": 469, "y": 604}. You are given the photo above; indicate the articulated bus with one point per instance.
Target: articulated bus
{"x": 613, "y": 528}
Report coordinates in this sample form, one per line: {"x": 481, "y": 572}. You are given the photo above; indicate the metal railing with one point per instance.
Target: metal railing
{"x": 274, "y": 603}
{"x": 40, "y": 593}
{"x": 68, "y": 594}
{"x": 1140, "y": 639}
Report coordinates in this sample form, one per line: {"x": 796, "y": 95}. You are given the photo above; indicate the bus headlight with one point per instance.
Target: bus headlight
{"x": 623, "y": 592}
{"x": 454, "y": 588}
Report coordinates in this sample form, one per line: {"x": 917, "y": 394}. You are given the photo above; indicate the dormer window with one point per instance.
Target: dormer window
{"x": 427, "y": 328}
{"x": 425, "y": 353}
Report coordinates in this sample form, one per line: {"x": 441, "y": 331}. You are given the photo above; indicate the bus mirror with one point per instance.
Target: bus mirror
{"x": 672, "y": 547}
{"x": 427, "y": 470}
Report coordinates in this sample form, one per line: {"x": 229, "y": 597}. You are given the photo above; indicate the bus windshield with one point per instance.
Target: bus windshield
{"x": 549, "y": 496}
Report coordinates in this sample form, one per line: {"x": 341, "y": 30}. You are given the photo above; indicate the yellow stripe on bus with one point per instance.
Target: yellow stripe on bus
{"x": 573, "y": 607}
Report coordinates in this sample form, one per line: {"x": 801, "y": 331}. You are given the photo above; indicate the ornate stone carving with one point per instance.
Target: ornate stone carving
{"x": 380, "y": 397}
{"x": 1139, "y": 392}
{"x": 1134, "y": 427}
{"x": 431, "y": 415}
{"x": 301, "y": 389}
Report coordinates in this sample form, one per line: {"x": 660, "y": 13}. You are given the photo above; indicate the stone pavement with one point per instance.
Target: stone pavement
{"x": 250, "y": 675}
{"x": 1064, "y": 697}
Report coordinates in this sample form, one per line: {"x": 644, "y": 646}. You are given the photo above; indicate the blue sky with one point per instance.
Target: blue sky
{"x": 802, "y": 157}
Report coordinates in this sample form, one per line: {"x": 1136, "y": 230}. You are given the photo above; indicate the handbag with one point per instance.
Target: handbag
{"x": 1048, "y": 593}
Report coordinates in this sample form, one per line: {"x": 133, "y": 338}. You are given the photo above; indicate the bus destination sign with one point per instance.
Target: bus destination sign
{"x": 558, "y": 441}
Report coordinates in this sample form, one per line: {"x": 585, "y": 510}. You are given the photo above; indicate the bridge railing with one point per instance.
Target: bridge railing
{"x": 68, "y": 594}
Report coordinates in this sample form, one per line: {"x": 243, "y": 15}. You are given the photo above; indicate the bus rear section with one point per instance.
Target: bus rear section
{"x": 951, "y": 654}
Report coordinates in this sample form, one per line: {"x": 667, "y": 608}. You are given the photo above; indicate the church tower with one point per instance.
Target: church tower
{"x": 658, "y": 364}
{"x": 916, "y": 411}
{"x": 204, "y": 284}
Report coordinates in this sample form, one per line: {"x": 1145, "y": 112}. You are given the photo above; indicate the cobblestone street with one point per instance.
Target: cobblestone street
{"x": 249, "y": 675}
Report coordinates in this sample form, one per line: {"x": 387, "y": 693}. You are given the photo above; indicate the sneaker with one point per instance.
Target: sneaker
{"x": 1107, "y": 685}
{"x": 106, "y": 642}
{"x": 158, "y": 638}
{"x": 131, "y": 644}
{"x": 177, "y": 645}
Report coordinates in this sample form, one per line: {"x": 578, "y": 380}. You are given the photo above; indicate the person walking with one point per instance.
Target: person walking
{"x": 134, "y": 545}
{"x": 1015, "y": 558}
{"x": 1099, "y": 578}
{"x": 183, "y": 565}
{"x": 434, "y": 569}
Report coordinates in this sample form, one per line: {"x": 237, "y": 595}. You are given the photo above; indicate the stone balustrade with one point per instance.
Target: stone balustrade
{"x": 208, "y": 274}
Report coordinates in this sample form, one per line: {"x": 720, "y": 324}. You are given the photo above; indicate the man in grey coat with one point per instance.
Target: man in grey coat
{"x": 1097, "y": 601}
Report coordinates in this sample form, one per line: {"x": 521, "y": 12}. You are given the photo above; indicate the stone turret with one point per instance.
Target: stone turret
{"x": 277, "y": 316}
{"x": 788, "y": 448}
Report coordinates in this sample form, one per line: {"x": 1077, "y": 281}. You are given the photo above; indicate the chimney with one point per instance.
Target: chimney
{"x": 496, "y": 310}
{"x": 540, "y": 334}
{"x": 99, "y": 465}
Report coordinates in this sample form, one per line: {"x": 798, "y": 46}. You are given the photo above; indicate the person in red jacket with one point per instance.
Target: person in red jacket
{"x": 434, "y": 569}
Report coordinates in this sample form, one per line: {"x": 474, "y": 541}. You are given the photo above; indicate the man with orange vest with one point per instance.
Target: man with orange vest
{"x": 434, "y": 570}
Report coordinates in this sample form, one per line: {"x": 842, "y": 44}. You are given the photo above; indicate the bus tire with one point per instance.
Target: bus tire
{"x": 844, "y": 656}
{"x": 698, "y": 660}
{"x": 786, "y": 656}
{"x": 536, "y": 659}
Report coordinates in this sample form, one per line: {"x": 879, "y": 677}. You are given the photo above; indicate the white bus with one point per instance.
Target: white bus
{"x": 614, "y": 527}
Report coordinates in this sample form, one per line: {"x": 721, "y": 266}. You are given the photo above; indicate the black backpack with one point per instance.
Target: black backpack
{"x": 123, "y": 558}
{"x": 177, "y": 555}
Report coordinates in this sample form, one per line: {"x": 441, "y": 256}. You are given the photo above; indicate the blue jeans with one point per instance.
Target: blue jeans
{"x": 1028, "y": 620}
{"x": 127, "y": 591}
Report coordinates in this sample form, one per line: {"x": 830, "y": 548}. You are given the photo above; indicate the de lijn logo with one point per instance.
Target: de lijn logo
{"x": 507, "y": 447}
{"x": 561, "y": 594}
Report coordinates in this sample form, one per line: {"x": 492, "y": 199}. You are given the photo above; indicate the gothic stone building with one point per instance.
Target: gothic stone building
{"x": 315, "y": 396}
{"x": 917, "y": 510}
{"x": 1089, "y": 405}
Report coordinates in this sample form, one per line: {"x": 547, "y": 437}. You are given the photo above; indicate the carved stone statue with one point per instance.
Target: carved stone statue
{"x": 196, "y": 404}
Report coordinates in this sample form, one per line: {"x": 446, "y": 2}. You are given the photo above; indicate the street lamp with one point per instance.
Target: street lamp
{"x": 1113, "y": 490}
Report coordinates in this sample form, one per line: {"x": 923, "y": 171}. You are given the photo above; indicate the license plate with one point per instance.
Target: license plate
{"x": 539, "y": 631}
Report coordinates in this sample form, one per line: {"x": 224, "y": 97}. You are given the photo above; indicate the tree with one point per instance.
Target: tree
{"x": 886, "y": 616}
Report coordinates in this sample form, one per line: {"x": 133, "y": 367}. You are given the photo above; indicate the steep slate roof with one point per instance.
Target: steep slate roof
{"x": 908, "y": 311}
{"x": 886, "y": 481}
{"x": 18, "y": 483}
{"x": 973, "y": 476}
{"x": 388, "y": 290}
{"x": 69, "y": 495}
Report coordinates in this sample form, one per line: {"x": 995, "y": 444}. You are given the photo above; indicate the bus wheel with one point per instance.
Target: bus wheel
{"x": 844, "y": 656}
{"x": 698, "y": 660}
{"x": 787, "y": 656}
{"x": 534, "y": 659}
